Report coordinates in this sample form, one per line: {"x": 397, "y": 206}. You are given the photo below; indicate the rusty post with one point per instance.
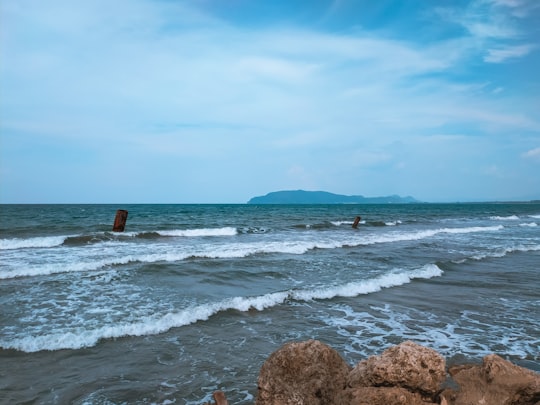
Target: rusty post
{"x": 120, "y": 221}
{"x": 356, "y": 222}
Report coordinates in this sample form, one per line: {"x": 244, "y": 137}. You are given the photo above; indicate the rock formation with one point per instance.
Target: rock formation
{"x": 311, "y": 373}
{"x": 407, "y": 373}
{"x": 496, "y": 381}
{"x": 303, "y": 373}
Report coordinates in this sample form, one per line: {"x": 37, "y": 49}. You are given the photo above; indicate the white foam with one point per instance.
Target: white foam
{"x": 508, "y": 218}
{"x": 303, "y": 246}
{"x": 132, "y": 234}
{"x": 79, "y": 337}
{"x": 471, "y": 229}
{"x": 393, "y": 223}
{"x": 53, "y": 241}
{"x": 356, "y": 288}
{"x": 503, "y": 251}
{"x": 410, "y": 236}
{"x": 150, "y": 325}
{"x": 91, "y": 263}
{"x": 529, "y": 224}
{"x": 113, "y": 253}
{"x": 225, "y": 231}
{"x": 462, "y": 333}
{"x": 238, "y": 250}
{"x": 55, "y": 268}
{"x": 35, "y": 242}
{"x": 339, "y": 223}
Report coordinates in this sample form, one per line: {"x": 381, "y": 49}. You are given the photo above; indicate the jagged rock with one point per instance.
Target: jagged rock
{"x": 494, "y": 382}
{"x": 385, "y": 396}
{"x": 310, "y": 372}
{"x": 304, "y": 373}
{"x": 407, "y": 365}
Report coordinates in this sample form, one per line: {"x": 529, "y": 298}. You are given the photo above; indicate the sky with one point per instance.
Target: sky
{"x": 218, "y": 101}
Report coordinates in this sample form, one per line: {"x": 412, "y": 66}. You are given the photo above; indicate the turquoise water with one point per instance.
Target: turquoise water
{"x": 193, "y": 298}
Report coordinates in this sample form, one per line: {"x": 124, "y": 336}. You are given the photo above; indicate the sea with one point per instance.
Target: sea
{"x": 190, "y": 299}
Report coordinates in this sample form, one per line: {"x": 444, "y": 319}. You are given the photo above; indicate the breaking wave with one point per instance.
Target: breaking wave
{"x": 508, "y": 218}
{"x": 99, "y": 237}
{"x": 100, "y": 258}
{"x": 76, "y": 338}
{"x": 35, "y": 242}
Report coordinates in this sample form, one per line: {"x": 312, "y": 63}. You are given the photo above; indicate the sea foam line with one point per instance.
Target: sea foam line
{"x": 53, "y": 241}
{"x": 84, "y": 266}
{"x": 501, "y": 252}
{"x": 508, "y": 218}
{"x": 78, "y": 338}
{"x": 363, "y": 287}
{"x": 232, "y": 250}
{"x": 35, "y": 242}
{"x": 225, "y": 231}
{"x": 411, "y": 236}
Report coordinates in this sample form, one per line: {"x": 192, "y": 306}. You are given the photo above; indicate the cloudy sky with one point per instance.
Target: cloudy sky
{"x": 217, "y": 101}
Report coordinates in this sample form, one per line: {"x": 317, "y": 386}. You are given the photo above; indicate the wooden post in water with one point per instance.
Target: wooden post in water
{"x": 356, "y": 222}
{"x": 120, "y": 221}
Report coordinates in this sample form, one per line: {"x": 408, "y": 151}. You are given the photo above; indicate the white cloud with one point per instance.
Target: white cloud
{"x": 497, "y": 28}
{"x": 481, "y": 19}
{"x": 490, "y": 29}
{"x": 275, "y": 68}
{"x": 532, "y": 154}
{"x": 518, "y": 8}
{"x": 176, "y": 85}
{"x": 509, "y": 52}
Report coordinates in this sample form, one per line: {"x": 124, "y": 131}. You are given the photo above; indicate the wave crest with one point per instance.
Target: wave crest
{"x": 35, "y": 242}
{"x": 156, "y": 324}
{"x": 226, "y": 231}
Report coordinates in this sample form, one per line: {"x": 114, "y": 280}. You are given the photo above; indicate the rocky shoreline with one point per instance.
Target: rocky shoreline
{"x": 312, "y": 373}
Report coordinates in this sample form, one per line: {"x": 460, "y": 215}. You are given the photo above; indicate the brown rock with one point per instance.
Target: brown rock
{"x": 495, "y": 382}
{"x": 385, "y": 396}
{"x": 407, "y": 365}
{"x": 304, "y": 373}
{"x": 219, "y": 398}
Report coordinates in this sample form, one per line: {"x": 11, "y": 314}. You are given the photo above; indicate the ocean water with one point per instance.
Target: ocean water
{"x": 194, "y": 298}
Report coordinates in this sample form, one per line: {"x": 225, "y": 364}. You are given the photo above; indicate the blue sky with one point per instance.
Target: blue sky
{"x": 217, "y": 101}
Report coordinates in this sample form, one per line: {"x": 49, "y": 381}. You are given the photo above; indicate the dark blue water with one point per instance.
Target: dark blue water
{"x": 193, "y": 298}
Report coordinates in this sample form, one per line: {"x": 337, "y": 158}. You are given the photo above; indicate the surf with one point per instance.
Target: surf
{"x": 83, "y": 336}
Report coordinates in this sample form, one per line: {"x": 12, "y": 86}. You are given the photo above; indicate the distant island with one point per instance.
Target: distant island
{"x": 324, "y": 197}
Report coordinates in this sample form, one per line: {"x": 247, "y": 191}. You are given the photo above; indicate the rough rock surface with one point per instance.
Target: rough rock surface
{"x": 408, "y": 374}
{"x": 385, "y": 396}
{"x": 303, "y": 373}
{"x": 494, "y": 382}
{"x": 407, "y": 365}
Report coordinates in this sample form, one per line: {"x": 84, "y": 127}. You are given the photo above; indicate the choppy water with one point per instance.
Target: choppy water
{"x": 193, "y": 298}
